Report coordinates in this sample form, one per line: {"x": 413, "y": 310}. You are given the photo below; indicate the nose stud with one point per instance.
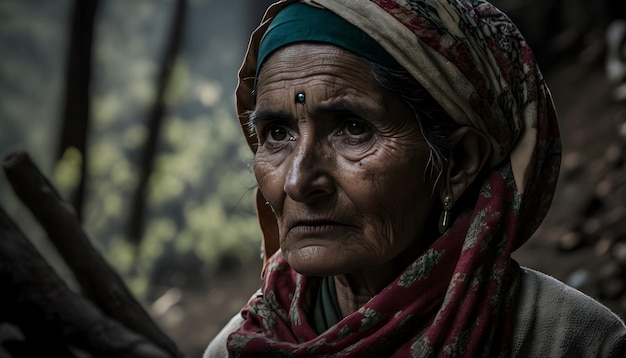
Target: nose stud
{"x": 300, "y": 98}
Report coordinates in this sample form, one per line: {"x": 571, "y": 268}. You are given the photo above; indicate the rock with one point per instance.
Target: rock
{"x": 592, "y": 227}
{"x": 619, "y": 252}
{"x": 570, "y": 241}
{"x": 615, "y": 155}
{"x": 603, "y": 245}
{"x": 605, "y": 187}
{"x": 610, "y": 270}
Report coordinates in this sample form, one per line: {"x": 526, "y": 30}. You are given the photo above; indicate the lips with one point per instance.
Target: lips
{"x": 315, "y": 226}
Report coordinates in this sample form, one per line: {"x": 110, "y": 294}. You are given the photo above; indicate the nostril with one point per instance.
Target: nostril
{"x": 310, "y": 171}
{"x": 318, "y": 193}
{"x": 308, "y": 186}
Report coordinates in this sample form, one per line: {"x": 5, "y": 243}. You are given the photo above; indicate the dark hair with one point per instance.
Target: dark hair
{"x": 435, "y": 124}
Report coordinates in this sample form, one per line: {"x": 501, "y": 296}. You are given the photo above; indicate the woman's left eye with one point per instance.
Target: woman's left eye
{"x": 354, "y": 128}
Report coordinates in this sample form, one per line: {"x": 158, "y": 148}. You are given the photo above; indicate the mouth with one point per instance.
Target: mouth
{"x": 313, "y": 227}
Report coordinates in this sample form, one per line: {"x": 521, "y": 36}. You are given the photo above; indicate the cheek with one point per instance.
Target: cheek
{"x": 269, "y": 179}
{"x": 398, "y": 199}
{"x": 260, "y": 167}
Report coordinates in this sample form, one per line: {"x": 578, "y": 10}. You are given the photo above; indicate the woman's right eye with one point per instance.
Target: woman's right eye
{"x": 276, "y": 133}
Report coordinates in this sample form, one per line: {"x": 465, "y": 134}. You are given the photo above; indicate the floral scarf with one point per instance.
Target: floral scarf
{"x": 458, "y": 297}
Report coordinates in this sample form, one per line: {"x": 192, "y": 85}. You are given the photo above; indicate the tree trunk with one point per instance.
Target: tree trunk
{"x": 76, "y": 111}
{"x": 154, "y": 121}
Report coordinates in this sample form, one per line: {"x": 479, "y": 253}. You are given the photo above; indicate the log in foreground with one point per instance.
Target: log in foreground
{"x": 40, "y": 303}
{"x": 97, "y": 279}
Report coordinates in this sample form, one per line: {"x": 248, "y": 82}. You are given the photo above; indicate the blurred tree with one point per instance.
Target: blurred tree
{"x": 136, "y": 217}
{"x": 76, "y": 111}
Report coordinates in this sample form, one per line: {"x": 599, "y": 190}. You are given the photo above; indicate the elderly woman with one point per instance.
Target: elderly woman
{"x": 403, "y": 150}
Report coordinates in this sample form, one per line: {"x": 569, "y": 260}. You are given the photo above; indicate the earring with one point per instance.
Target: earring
{"x": 444, "y": 219}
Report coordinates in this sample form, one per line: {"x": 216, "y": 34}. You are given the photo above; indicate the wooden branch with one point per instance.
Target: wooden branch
{"x": 98, "y": 280}
{"x": 39, "y": 302}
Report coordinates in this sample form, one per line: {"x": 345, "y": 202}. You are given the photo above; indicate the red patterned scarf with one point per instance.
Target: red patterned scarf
{"x": 457, "y": 298}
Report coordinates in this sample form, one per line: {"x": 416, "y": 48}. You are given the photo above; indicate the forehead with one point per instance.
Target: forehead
{"x": 307, "y": 67}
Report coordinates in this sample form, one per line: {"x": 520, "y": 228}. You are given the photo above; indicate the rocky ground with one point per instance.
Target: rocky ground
{"x": 582, "y": 241}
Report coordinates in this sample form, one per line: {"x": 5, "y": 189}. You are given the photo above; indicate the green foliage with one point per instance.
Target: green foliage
{"x": 66, "y": 174}
{"x": 178, "y": 81}
{"x": 201, "y": 193}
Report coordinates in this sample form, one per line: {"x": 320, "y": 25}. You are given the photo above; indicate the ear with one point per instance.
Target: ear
{"x": 470, "y": 151}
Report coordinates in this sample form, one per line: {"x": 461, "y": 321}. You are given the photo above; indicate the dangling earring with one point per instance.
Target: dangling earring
{"x": 444, "y": 219}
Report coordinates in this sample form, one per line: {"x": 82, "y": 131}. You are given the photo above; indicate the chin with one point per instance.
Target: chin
{"x": 316, "y": 264}
{"x": 316, "y": 270}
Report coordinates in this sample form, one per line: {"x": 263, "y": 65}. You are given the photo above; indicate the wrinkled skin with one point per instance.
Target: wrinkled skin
{"x": 343, "y": 171}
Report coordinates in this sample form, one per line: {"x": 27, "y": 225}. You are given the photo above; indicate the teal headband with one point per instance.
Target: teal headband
{"x": 299, "y": 22}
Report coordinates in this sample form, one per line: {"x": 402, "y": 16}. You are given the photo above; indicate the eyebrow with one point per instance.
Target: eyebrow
{"x": 344, "y": 106}
{"x": 257, "y": 116}
{"x": 337, "y": 105}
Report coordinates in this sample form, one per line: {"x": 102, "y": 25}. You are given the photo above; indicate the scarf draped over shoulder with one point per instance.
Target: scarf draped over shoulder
{"x": 458, "y": 297}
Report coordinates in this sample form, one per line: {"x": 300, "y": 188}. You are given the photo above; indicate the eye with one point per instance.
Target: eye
{"x": 276, "y": 133}
{"x": 355, "y": 128}
{"x": 354, "y": 137}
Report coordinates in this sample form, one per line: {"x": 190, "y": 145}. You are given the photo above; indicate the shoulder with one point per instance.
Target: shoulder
{"x": 556, "y": 320}
{"x": 218, "y": 346}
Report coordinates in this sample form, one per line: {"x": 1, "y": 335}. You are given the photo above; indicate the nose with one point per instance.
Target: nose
{"x": 309, "y": 177}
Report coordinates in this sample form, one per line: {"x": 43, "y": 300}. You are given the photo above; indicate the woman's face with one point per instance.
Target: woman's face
{"x": 344, "y": 170}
